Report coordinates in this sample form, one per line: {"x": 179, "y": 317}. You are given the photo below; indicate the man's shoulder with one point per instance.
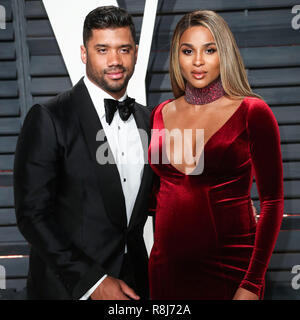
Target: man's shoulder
{"x": 59, "y": 108}
{"x": 61, "y": 101}
{"x": 64, "y": 102}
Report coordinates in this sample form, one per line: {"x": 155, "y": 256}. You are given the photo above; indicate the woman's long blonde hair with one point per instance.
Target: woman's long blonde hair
{"x": 232, "y": 70}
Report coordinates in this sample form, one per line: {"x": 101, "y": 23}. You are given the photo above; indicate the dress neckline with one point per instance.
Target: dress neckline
{"x": 163, "y": 104}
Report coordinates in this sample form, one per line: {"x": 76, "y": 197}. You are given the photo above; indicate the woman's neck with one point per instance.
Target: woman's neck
{"x": 208, "y": 94}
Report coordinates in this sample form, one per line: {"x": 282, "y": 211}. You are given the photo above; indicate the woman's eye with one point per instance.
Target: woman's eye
{"x": 187, "y": 51}
{"x": 211, "y": 50}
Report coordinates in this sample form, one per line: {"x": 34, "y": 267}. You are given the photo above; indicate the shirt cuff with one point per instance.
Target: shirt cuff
{"x": 87, "y": 295}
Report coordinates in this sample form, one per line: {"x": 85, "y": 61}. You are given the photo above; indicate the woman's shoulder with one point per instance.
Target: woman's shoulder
{"x": 161, "y": 105}
{"x": 259, "y": 113}
{"x": 255, "y": 103}
{"x": 257, "y": 107}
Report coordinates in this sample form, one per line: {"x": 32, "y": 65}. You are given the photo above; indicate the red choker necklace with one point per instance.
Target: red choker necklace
{"x": 210, "y": 93}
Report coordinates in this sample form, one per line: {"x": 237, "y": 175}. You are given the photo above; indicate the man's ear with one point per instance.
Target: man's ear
{"x": 83, "y": 52}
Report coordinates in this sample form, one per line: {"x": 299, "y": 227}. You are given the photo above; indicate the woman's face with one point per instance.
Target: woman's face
{"x": 198, "y": 57}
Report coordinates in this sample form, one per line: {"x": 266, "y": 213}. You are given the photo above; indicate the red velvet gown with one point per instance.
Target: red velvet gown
{"x": 207, "y": 242}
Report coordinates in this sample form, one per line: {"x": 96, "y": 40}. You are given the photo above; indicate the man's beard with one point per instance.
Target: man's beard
{"x": 98, "y": 78}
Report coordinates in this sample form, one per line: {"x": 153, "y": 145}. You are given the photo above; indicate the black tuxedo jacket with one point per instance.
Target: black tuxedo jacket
{"x": 70, "y": 208}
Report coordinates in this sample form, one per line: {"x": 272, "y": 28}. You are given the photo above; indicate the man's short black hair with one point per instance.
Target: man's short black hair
{"x": 107, "y": 17}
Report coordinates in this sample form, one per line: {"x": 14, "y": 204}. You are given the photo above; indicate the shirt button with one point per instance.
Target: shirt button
{"x": 123, "y": 153}
{"x": 119, "y": 127}
{"x": 124, "y": 179}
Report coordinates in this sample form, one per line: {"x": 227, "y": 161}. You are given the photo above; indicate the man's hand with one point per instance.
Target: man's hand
{"x": 254, "y": 211}
{"x": 243, "y": 294}
{"x": 113, "y": 289}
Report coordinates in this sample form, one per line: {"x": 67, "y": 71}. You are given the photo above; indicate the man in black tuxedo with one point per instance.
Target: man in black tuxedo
{"x": 82, "y": 214}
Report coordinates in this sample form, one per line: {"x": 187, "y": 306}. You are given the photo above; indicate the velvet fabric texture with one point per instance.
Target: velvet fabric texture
{"x": 207, "y": 242}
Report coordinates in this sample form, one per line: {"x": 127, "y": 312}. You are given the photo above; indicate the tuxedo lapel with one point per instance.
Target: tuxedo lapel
{"x": 143, "y": 124}
{"x": 107, "y": 174}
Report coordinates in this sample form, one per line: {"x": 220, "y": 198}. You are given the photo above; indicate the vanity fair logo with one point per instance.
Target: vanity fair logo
{"x": 2, "y": 278}
{"x": 179, "y": 141}
{"x": 296, "y": 18}
{"x": 2, "y": 17}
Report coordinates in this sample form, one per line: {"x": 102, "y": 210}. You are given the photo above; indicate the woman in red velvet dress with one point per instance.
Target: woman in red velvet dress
{"x": 207, "y": 243}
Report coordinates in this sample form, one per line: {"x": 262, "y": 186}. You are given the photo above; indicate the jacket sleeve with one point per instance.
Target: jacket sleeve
{"x": 35, "y": 179}
{"x": 265, "y": 151}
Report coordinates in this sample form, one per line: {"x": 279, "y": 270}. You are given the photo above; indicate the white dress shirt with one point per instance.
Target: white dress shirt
{"x": 126, "y": 146}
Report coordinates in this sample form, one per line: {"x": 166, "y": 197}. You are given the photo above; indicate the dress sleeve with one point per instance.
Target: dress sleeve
{"x": 266, "y": 158}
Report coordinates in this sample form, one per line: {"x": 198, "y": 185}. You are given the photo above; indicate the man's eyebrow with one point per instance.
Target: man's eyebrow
{"x": 126, "y": 45}
{"x": 102, "y": 45}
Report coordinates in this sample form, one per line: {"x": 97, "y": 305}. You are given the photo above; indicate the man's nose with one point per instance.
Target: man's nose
{"x": 114, "y": 58}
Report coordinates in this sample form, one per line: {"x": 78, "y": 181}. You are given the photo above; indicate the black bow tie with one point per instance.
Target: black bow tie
{"x": 125, "y": 108}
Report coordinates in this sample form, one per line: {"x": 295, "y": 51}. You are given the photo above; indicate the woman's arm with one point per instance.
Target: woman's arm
{"x": 265, "y": 151}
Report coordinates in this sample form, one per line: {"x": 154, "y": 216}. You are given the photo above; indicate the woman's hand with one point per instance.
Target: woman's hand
{"x": 243, "y": 294}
